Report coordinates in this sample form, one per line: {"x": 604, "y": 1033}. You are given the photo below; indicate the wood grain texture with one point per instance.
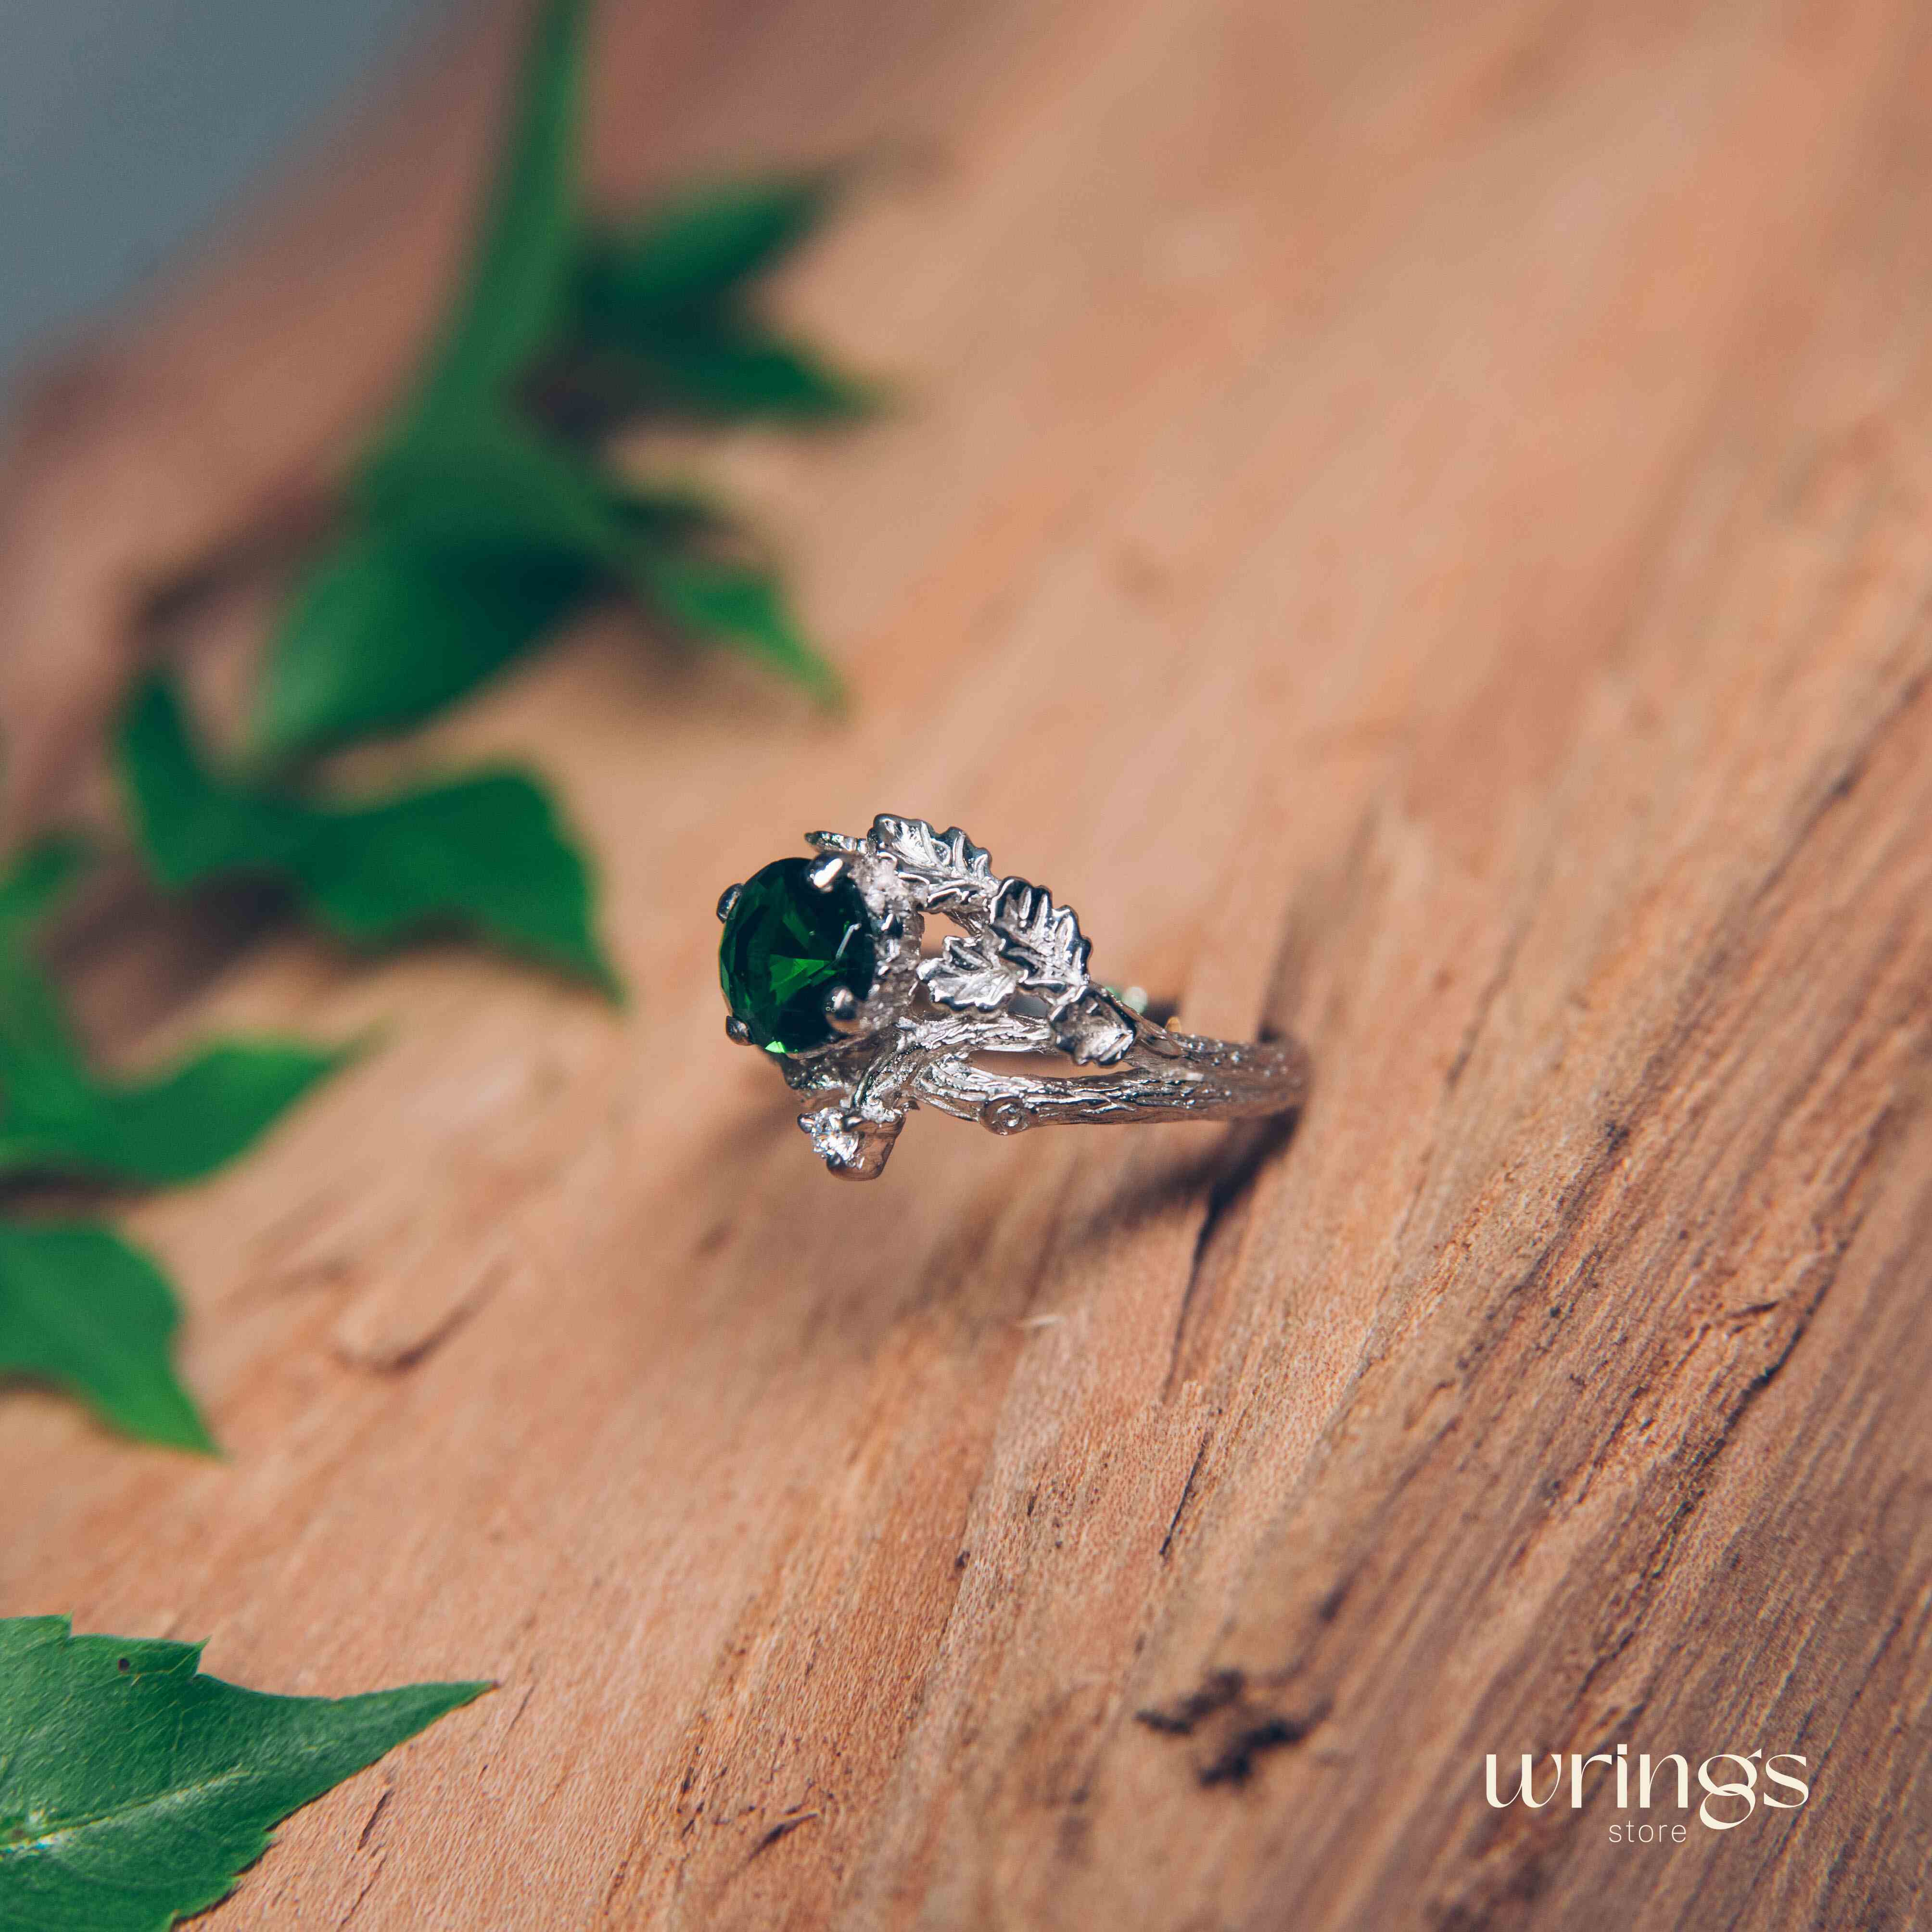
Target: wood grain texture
{"x": 1417, "y": 521}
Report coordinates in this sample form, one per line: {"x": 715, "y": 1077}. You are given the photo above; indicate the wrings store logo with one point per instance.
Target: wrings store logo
{"x": 1728, "y": 1800}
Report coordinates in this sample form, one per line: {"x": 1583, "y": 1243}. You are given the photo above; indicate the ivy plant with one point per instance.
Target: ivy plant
{"x": 79, "y": 1307}
{"x": 481, "y": 516}
{"x": 483, "y": 854}
{"x": 61, "y": 1119}
{"x": 134, "y": 1789}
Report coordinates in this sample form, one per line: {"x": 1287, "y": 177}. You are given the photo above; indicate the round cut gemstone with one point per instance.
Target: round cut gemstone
{"x": 787, "y": 945}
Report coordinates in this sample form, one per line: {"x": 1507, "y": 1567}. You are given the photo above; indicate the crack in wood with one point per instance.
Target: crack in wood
{"x": 369, "y": 1886}
{"x": 783, "y": 1828}
{"x": 375, "y": 1817}
{"x": 1186, "y": 1491}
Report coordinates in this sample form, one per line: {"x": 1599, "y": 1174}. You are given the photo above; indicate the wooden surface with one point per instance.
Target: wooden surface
{"x": 1417, "y": 521}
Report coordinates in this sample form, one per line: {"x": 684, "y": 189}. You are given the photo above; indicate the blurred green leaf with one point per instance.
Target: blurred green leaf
{"x": 734, "y": 370}
{"x": 494, "y": 488}
{"x": 488, "y": 532}
{"x": 694, "y": 248}
{"x": 57, "y": 1118}
{"x": 740, "y": 601}
{"x": 176, "y": 1127}
{"x": 484, "y": 854}
{"x": 33, "y": 1028}
{"x": 80, "y": 1308}
{"x": 137, "y": 1789}
{"x": 383, "y": 635}
{"x": 35, "y": 883}
{"x": 664, "y": 322}
{"x": 482, "y": 536}
{"x": 521, "y": 287}
{"x": 191, "y": 824}
{"x": 77, "y": 1305}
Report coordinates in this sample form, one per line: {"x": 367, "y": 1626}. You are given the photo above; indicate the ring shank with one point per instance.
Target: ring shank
{"x": 1163, "y": 1076}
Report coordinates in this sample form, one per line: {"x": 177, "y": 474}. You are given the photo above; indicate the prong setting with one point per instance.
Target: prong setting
{"x": 727, "y": 899}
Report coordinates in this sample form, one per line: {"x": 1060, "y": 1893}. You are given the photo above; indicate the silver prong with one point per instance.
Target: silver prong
{"x": 727, "y": 899}
{"x": 842, "y": 1009}
{"x": 829, "y": 870}
{"x": 735, "y": 1029}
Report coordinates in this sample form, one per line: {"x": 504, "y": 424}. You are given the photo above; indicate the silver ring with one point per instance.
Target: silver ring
{"x": 821, "y": 967}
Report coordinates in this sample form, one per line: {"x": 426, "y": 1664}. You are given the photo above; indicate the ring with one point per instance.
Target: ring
{"x": 821, "y": 967}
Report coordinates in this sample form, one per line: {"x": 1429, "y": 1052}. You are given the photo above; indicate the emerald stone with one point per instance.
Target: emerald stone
{"x": 786, "y": 945}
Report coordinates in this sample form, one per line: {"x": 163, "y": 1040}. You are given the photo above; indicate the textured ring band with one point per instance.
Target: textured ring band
{"x": 821, "y": 967}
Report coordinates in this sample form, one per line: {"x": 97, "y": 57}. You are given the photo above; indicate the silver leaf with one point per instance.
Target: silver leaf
{"x": 1095, "y": 1030}
{"x": 969, "y": 976}
{"x": 1044, "y": 940}
{"x": 948, "y": 866}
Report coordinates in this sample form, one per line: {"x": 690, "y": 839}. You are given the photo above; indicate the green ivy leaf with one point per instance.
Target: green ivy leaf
{"x": 663, "y": 318}
{"x": 493, "y": 487}
{"x": 34, "y": 1030}
{"x": 56, "y": 1118}
{"x": 383, "y": 635}
{"x": 734, "y": 369}
{"x": 134, "y": 1789}
{"x": 36, "y": 881}
{"x": 159, "y": 1132}
{"x": 496, "y": 488}
{"x": 490, "y": 531}
{"x": 520, "y": 287}
{"x": 484, "y": 854}
{"x": 694, "y": 248}
{"x": 80, "y": 1308}
{"x": 741, "y": 601}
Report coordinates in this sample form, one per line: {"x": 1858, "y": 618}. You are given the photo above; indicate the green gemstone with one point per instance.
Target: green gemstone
{"x": 786, "y": 945}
